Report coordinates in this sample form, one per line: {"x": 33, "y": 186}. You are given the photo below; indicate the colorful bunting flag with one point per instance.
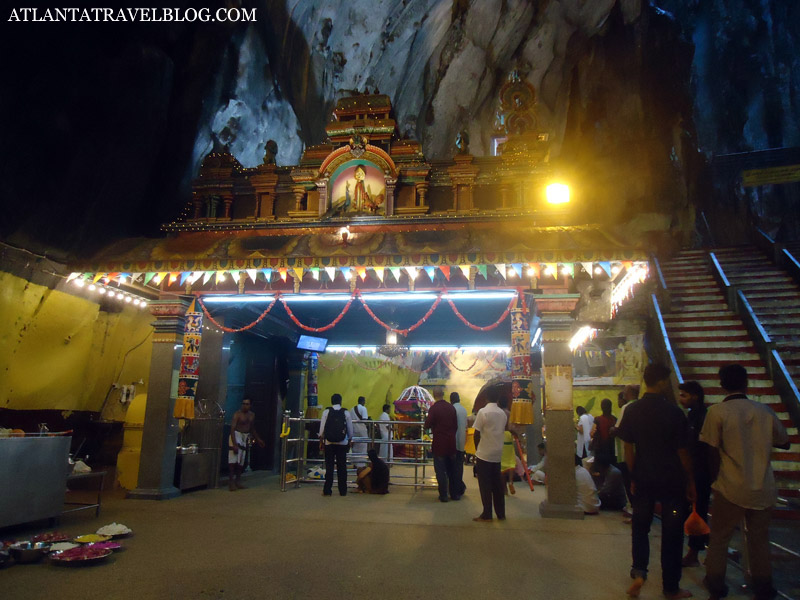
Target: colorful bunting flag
{"x": 551, "y": 269}
{"x": 184, "y": 277}
{"x": 267, "y": 274}
{"x": 464, "y": 270}
{"x": 314, "y": 273}
{"x": 282, "y": 272}
{"x": 395, "y": 271}
{"x": 568, "y": 269}
{"x": 331, "y": 271}
{"x": 206, "y": 276}
{"x": 412, "y": 272}
{"x": 148, "y": 276}
{"x": 252, "y": 274}
{"x": 445, "y": 269}
{"x": 483, "y": 270}
{"x": 379, "y": 272}
{"x": 431, "y": 272}
{"x": 589, "y": 268}
{"x": 298, "y": 273}
{"x": 606, "y": 266}
{"x": 501, "y": 269}
{"x": 362, "y": 272}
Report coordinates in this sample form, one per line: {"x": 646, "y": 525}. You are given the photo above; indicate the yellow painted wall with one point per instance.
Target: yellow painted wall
{"x": 351, "y": 381}
{"x": 59, "y": 351}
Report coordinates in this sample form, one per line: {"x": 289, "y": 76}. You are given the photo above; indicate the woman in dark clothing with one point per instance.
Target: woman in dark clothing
{"x": 373, "y": 479}
{"x": 602, "y": 440}
{"x": 692, "y": 398}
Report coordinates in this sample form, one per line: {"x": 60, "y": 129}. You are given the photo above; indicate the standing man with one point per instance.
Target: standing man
{"x": 241, "y": 430}
{"x": 386, "y": 450}
{"x": 741, "y": 434}
{"x": 336, "y": 434}
{"x": 360, "y": 432}
{"x": 584, "y": 427}
{"x": 655, "y": 432}
{"x": 490, "y": 425}
{"x": 443, "y": 423}
{"x": 461, "y": 440}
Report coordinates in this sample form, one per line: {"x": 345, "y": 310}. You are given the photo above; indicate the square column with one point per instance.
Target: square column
{"x": 562, "y": 492}
{"x": 160, "y": 435}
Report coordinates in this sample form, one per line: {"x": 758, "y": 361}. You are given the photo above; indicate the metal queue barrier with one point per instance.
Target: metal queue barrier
{"x": 295, "y": 460}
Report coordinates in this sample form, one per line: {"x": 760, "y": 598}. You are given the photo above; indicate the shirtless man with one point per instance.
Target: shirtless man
{"x": 241, "y": 429}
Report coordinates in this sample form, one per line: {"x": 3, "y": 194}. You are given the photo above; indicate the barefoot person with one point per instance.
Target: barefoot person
{"x": 655, "y": 432}
{"x": 241, "y": 430}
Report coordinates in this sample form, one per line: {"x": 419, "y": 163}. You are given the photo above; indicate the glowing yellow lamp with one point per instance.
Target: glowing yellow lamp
{"x": 557, "y": 193}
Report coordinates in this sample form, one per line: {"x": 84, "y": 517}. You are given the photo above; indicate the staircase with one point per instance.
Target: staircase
{"x": 705, "y": 334}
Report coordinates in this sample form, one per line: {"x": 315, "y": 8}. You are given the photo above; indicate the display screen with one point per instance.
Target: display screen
{"x": 314, "y": 344}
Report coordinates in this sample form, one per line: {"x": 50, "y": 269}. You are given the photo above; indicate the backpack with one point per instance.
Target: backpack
{"x": 335, "y": 426}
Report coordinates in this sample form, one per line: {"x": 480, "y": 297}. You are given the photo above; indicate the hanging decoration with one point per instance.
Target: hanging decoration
{"x": 246, "y": 327}
{"x": 330, "y": 325}
{"x": 624, "y": 289}
{"x": 190, "y": 361}
{"x": 521, "y": 394}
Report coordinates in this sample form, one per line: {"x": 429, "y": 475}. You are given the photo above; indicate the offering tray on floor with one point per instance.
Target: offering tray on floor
{"x": 51, "y": 537}
{"x": 115, "y": 530}
{"x": 105, "y": 545}
{"x": 83, "y": 555}
{"x": 91, "y": 538}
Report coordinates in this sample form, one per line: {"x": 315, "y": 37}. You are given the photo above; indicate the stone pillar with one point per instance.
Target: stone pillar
{"x": 561, "y": 501}
{"x": 324, "y": 203}
{"x": 299, "y": 195}
{"x": 197, "y": 206}
{"x": 390, "y": 186}
{"x": 160, "y": 435}
{"x": 422, "y": 190}
{"x": 227, "y": 207}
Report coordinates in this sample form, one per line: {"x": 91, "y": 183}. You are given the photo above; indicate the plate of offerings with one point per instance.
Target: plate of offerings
{"x": 51, "y": 537}
{"x": 115, "y": 530}
{"x": 91, "y": 538}
{"x": 106, "y": 545}
{"x": 60, "y": 546}
{"x": 82, "y": 555}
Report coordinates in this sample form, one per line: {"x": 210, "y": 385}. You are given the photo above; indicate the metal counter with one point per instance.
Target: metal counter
{"x": 33, "y": 478}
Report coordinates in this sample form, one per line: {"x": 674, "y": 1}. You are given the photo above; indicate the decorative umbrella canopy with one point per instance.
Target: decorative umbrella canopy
{"x": 413, "y": 400}
{"x": 492, "y": 391}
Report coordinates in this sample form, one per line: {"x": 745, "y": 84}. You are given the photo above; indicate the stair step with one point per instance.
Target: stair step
{"x": 704, "y": 354}
{"x": 709, "y": 372}
{"x": 713, "y": 315}
{"x": 759, "y": 303}
{"x": 702, "y": 361}
{"x": 710, "y": 335}
{"x": 713, "y": 343}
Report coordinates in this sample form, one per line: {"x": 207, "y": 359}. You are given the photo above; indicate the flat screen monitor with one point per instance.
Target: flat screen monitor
{"x": 313, "y": 344}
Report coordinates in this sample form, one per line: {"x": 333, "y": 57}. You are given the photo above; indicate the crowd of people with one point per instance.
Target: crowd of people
{"x": 651, "y": 453}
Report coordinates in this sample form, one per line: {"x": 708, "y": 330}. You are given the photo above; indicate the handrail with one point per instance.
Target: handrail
{"x": 785, "y": 384}
{"x": 725, "y": 286}
{"x": 662, "y": 292}
{"x": 676, "y": 379}
{"x": 300, "y": 440}
{"x": 708, "y": 230}
{"x": 749, "y": 317}
{"x": 791, "y": 264}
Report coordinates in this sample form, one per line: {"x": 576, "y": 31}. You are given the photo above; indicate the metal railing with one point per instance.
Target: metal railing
{"x": 664, "y": 347}
{"x": 294, "y": 452}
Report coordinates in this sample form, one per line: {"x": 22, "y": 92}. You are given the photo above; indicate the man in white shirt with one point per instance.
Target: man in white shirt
{"x": 490, "y": 424}
{"x": 386, "y": 450}
{"x": 588, "y": 500}
{"x": 360, "y": 433}
{"x": 741, "y": 433}
{"x": 461, "y": 440}
{"x": 584, "y": 427}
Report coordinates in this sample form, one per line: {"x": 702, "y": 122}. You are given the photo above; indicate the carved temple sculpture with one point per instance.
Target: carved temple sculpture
{"x": 369, "y": 201}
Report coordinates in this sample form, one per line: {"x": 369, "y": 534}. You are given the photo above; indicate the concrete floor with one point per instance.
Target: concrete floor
{"x": 263, "y": 543}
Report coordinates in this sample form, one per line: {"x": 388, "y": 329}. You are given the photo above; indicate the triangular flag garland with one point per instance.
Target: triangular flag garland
{"x": 506, "y": 270}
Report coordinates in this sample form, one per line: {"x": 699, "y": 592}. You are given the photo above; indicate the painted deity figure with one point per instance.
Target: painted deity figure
{"x": 361, "y": 198}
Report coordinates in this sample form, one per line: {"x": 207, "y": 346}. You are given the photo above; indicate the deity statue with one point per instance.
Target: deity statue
{"x": 361, "y": 197}
{"x": 462, "y": 142}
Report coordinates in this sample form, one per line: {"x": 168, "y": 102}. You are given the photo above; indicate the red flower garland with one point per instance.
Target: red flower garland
{"x": 246, "y": 327}
{"x": 488, "y": 327}
{"x": 403, "y": 332}
{"x": 449, "y": 362}
{"x": 330, "y": 325}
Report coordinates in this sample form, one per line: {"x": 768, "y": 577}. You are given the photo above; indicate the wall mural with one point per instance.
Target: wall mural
{"x": 617, "y": 360}
{"x": 358, "y": 187}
